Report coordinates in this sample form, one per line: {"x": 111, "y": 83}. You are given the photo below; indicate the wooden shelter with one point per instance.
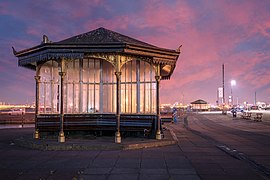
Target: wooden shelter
{"x": 99, "y": 80}
{"x": 199, "y": 105}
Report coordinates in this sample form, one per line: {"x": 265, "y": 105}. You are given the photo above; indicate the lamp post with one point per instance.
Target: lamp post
{"x": 233, "y": 83}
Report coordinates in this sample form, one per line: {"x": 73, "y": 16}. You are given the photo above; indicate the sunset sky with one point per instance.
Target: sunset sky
{"x": 212, "y": 32}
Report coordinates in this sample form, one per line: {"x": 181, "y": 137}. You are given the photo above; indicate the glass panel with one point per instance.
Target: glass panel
{"x": 96, "y": 99}
{"x": 91, "y": 71}
{"x": 123, "y": 98}
{"x": 147, "y": 88}
{"x": 84, "y": 98}
{"x": 69, "y": 98}
{"x": 76, "y": 70}
{"x": 142, "y": 98}
{"x": 49, "y": 81}
{"x": 109, "y": 85}
{"x": 153, "y": 97}
{"x": 134, "y": 97}
{"x": 147, "y": 70}
{"x": 97, "y": 70}
{"x": 147, "y": 98}
{"x": 65, "y": 105}
{"x": 133, "y": 71}
{"x": 76, "y": 98}
{"x": 129, "y": 88}
{"x": 41, "y": 98}
{"x": 85, "y": 70}
{"x": 91, "y": 105}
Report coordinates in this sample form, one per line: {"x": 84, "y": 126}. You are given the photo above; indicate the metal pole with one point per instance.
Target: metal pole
{"x": 118, "y": 100}
{"x": 223, "y": 91}
{"x": 36, "y": 134}
{"x": 117, "y": 134}
{"x": 255, "y": 100}
{"x": 223, "y": 86}
{"x": 61, "y": 137}
{"x": 158, "y": 77}
{"x": 231, "y": 97}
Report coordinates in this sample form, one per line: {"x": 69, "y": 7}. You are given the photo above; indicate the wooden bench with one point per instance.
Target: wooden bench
{"x": 103, "y": 122}
{"x": 48, "y": 122}
{"x": 258, "y": 117}
{"x": 246, "y": 115}
{"x": 166, "y": 117}
{"x": 130, "y": 122}
{"x": 243, "y": 115}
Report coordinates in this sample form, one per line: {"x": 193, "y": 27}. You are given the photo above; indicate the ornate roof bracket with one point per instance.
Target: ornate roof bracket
{"x": 110, "y": 57}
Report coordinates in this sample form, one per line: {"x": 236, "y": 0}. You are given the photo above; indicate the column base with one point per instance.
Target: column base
{"x": 36, "y": 134}
{"x": 61, "y": 137}
{"x": 158, "y": 135}
{"x": 117, "y": 137}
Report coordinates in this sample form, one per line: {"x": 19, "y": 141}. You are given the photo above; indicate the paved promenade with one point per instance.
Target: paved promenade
{"x": 193, "y": 155}
{"x": 139, "y": 162}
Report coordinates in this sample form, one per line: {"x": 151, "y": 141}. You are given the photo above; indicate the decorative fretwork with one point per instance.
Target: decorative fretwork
{"x": 47, "y": 55}
{"x": 166, "y": 61}
{"x": 110, "y": 57}
{"x": 126, "y": 58}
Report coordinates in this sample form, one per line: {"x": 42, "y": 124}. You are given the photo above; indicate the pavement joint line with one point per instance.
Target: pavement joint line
{"x": 233, "y": 153}
{"x": 173, "y": 135}
{"x": 242, "y": 156}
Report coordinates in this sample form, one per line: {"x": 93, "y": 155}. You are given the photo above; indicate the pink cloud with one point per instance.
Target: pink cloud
{"x": 211, "y": 35}
{"x": 120, "y": 22}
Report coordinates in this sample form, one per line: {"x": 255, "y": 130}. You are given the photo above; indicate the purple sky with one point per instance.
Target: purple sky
{"x": 233, "y": 32}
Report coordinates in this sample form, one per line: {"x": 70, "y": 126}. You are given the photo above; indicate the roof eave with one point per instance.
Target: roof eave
{"x": 68, "y": 47}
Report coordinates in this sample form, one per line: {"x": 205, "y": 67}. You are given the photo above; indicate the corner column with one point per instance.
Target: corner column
{"x": 36, "y": 133}
{"x": 118, "y": 99}
{"x": 158, "y": 133}
{"x": 61, "y": 137}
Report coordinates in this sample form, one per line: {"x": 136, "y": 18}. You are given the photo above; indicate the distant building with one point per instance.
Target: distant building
{"x": 98, "y": 81}
{"x": 199, "y": 105}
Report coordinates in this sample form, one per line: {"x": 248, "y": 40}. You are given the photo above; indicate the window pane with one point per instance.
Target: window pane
{"x": 85, "y": 70}
{"x": 129, "y": 87}
{"x": 109, "y": 85}
{"x": 84, "y": 98}
{"x": 49, "y": 81}
{"x": 142, "y": 98}
{"x": 134, "y": 97}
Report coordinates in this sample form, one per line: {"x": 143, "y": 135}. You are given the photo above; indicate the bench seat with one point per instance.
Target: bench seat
{"x": 86, "y": 122}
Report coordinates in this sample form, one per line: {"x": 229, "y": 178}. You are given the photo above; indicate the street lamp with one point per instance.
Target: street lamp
{"x": 233, "y": 83}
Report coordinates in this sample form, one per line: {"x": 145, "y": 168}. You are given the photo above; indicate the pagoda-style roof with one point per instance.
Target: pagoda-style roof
{"x": 104, "y": 36}
{"x": 100, "y": 40}
{"x": 199, "y": 101}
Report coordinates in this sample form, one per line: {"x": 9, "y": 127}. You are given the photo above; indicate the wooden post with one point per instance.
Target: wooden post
{"x": 36, "y": 133}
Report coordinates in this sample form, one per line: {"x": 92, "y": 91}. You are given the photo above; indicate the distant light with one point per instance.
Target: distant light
{"x": 233, "y": 82}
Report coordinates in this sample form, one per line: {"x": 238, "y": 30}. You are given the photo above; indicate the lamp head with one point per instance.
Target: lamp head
{"x": 233, "y": 82}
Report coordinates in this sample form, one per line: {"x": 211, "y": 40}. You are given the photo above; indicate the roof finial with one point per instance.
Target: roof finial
{"x": 14, "y": 51}
{"x": 178, "y": 49}
{"x": 45, "y": 39}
